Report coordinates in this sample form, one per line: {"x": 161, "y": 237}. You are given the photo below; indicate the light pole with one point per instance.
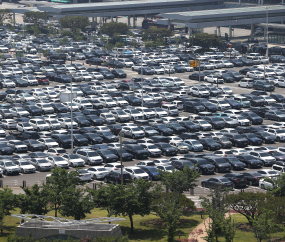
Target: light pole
{"x": 121, "y": 159}
{"x": 71, "y": 117}
{"x": 267, "y": 31}
{"x": 141, "y": 77}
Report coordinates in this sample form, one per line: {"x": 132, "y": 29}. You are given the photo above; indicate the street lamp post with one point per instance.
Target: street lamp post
{"x": 267, "y": 31}
{"x": 141, "y": 77}
{"x": 71, "y": 117}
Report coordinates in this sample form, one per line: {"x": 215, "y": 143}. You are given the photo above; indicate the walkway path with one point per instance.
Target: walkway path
{"x": 202, "y": 227}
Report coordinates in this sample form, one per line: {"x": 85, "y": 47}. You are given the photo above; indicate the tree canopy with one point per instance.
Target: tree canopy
{"x": 5, "y": 14}
{"x": 74, "y": 22}
{"x": 155, "y": 34}
{"x": 205, "y": 40}
{"x": 34, "y": 17}
{"x": 111, "y": 29}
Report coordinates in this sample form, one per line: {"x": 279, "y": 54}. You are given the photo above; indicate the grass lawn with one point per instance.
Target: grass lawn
{"x": 242, "y": 232}
{"x": 148, "y": 228}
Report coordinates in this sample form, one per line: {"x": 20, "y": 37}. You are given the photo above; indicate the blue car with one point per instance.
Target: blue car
{"x": 194, "y": 145}
{"x": 253, "y": 140}
{"x": 152, "y": 172}
{"x": 220, "y": 114}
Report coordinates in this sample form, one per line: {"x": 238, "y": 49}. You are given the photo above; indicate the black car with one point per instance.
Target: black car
{"x": 253, "y": 117}
{"x": 82, "y": 121}
{"x": 34, "y": 145}
{"x": 21, "y": 83}
{"x": 266, "y": 137}
{"x": 59, "y": 108}
{"x": 107, "y": 156}
{"x": 137, "y": 151}
{"x": 237, "y": 179}
{"x": 166, "y": 149}
{"x": 16, "y": 135}
{"x": 224, "y": 142}
{"x": 115, "y": 128}
{"x": 195, "y": 76}
{"x": 119, "y": 73}
{"x": 177, "y": 128}
{"x": 125, "y": 155}
{"x": 255, "y": 100}
{"x": 210, "y": 107}
{"x": 252, "y": 178}
{"x": 94, "y": 120}
{"x": 93, "y": 138}
{"x": 132, "y": 100}
{"x": 80, "y": 140}
{"x": 115, "y": 177}
{"x": 33, "y": 110}
{"x": 250, "y": 161}
{"x": 221, "y": 165}
{"x": 108, "y": 137}
{"x": 253, "y": 139}
{"x": 63, "y": 140}
{"x": 237, "y": 140}
{"x": 235, "y": 163}
{"x": 5, "y": 149}
{"x": 278, "y": 97}
{"x": 181, "y": 164}
{"x": 216, "y": 122}
{"x": 87, "y": 130}
{"x": 190, "y": 126}
{"x": 204, "y": 166}
{"x": 162, "y": 129}
{"x": 193, "y": 107}
{"x": 210, "y": 144}
{"x": 217, "y": 182}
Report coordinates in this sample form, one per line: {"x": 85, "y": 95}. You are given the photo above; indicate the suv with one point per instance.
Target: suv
{"x": 278, "y": 168}
{"x": 170, "y": 109}
{"x": 193, "y": 107}
{"x": 180, "y": 164}
{"x": 137, "y": 151}
{"x": 221, "y": 165}
{"x": 90, "y": 157}
{"x": 263, "y": 85}
{"x": 204, "y": 166}
{"x": 246, "y": 82}
{"x": 115, "y": 177}
{"x": 39, "y": 125}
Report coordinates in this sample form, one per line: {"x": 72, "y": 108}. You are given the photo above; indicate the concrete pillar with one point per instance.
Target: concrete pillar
{"x": 100, "y": 20}
{"x": 219, "y": 31}
{"x": 75, "y": 1}
{"x": 134, "y": 21}
{"x": 169, "y": 25}
{"x": 239, "y": 2}
{"x": 230, "y": 33}
{"x": 116, "y": 19}
{"x": 145, "y": 16}
{"x": 251, "y": 32}
{"x": 112, "y": 20}
{"x": 189, "y": 32}
{"x": 129, "y": 20}
{"x": 261, "y": 2}
{"x": 282, "y": 1}
{"x": 14, "y": 19}
{"x": 264, "y": 32}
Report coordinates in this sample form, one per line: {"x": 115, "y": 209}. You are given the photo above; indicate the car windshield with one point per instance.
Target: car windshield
{"x": 278, "y": 154}
{"x": 234, "y": 160}
{"x": 263, "y": 154}
{"x": 220, "y": 161}
{"x": 58, "y": 158}
{"x": 92, "y": 154}
{"x": 203, "y": 162}
{"x": 138, "y": 171}
{"x": 42, "y": 161}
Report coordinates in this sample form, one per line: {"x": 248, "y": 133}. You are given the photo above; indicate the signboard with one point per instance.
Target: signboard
{"x": 61, "y": 231}
{"x": 194, "y": 63}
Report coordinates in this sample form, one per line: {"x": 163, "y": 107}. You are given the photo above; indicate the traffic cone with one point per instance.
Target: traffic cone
{"x": 83, "y": 62}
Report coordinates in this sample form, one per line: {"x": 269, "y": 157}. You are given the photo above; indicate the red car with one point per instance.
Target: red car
{"x": 43, "y": 80}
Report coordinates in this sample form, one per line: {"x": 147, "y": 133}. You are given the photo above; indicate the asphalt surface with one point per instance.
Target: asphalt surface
{"x": 39, "y": 177}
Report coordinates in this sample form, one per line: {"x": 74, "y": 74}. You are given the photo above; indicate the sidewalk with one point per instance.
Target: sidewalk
{"x": 202, "y": 227}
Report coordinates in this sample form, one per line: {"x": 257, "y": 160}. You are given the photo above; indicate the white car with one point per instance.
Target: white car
{"x": 148, "y": 113}
{"x": 39, "y": 125}
{"x": 136, "y": 173}
{"x": 121, "y": 102}
{"x": 225, "y": 153}
{"x": 96, "y": 75}
{"x": 48, "y": 142}
{"x": 9, "y": 167}
{"x": 204, "y": 125}
{"x": 98, "y": 172}
{"x": 227, "y": 64}
{"x": 53, "y": 123}
{"x": 268, "y": 100}
{"x": 58, "y": 161}
{"x": 25, "y": 97}
{"x": 152, "y": 150}
{"x": 179, "y": 94}
{"x": 40, "y": 96}
{"x": 279, "y": 133}
{"x": 199, "y": 92}
{"x": 19, "y": 112}
{"x": 108, "y": 118}
{"x": 161, "y": 161}
{"x": 74, "y": 160}
{"x": 180, "y": 146}
{"x": 22, "y": 127}
{"x": 56, "y": 151}
{"x": 269, "y": 173}
{"x": 8, "y": 84}
{"x": 242, "y": 120}
{"x": 226, "y": 90}
{"x": 113, "y": 166}
{"x": 255, "y": 74}
{"x": 25, "y": 166}
{"x": 134, "y": 114}
{"x": 66, "y": 123}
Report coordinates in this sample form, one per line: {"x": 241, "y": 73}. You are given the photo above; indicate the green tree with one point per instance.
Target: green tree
{"x": 8, "y": 202}
{"x": 154, "y": 34}
{"x": 34, "y": 201}
{"x": 35, "y": 17}
{"x": 205, "y": 40}
{"x": 279, "y": 186}
{"x": 63, "y": 41}
{"x": 76, "y": 203}
{"x": 125, "y": 200}
{"x": 4, "y": 15}
{"x": 170, "y": 207}
{"x": 216, "y": 206}
{"x": 59, "y": 184}
{"x": 74, "y": 22}
{"x": 111, "y": 29}
{"x": 248, "y": 204}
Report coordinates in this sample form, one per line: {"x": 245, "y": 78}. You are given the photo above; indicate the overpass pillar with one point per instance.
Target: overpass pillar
{"x": 14, "y": 19}
{"x": 251, "y": 32}
{"x": 282, "y": 1}
{"x": 169, "y": 26}
{"x": 219, "y": 31}
{"x": 116, "y": 19}
{"x": 146, "y": 17}
{"x": 100, "y": 20}
{"x": 75, "y": 1}
{"x": 189, "y": 32}
{"x": 129, "y": 21}
{"x": 134, "y": 21}
{"x": 230, "y": 33}
{"x": 239, "y": 2}
{"x": 112, "y": 20}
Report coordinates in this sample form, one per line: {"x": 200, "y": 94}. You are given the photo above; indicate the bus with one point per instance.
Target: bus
{"x": 152, "y": 24}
